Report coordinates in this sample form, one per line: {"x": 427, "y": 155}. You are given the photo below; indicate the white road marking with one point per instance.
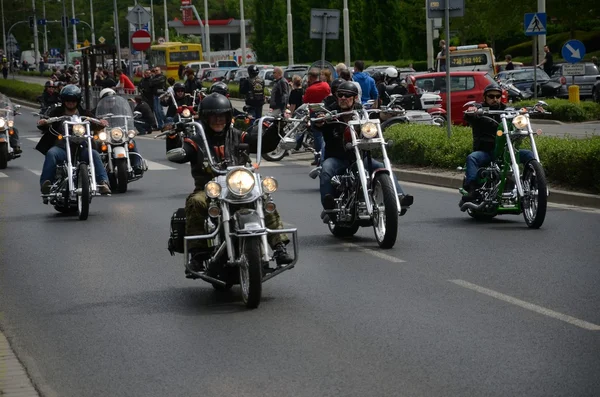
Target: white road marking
{"x": 3, "y": 175}
{"x": 36, "y": 139}
{"x": 153, "y": 166}
{"x": 377, "y": 254}
{"x": 529, "y": 306}
{"x": 265, "y": 164}
{"x": 37, "y": 172}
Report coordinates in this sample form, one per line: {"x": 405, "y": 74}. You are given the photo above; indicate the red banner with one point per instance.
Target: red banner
{"x": 187, "y": 14}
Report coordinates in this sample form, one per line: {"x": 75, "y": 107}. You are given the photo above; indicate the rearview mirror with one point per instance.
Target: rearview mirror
{"x": 470, "y": 103}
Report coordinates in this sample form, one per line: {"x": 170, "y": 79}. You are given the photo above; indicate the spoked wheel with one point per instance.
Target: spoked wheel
{"x": 251, "y": 272}
{"x": 275, "y": 155}
{"x": 83, "y": 192}
{"x": 121, "y": 166}
{"x": 535, "y": 199}
{"x": 385, "y": 211}
{"x": 3, "y": 155}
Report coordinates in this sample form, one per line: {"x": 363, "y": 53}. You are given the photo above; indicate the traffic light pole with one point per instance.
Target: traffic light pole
{"x": 36, "y": 44}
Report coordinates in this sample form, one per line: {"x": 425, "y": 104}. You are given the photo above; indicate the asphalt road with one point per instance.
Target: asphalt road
{"x": 456, "y": 308}
{"x": 575, "y": 130}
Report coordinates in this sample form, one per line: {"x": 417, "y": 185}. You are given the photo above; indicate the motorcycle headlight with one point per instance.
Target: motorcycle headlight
{"x": 212, "y": 189}
{"x": 269, "y": 184}
{"x": 2, "y": 123}
{"x": 186, "y": 113}
{"x": 240, "y": 182}
{"x": 102, "y": 136}
{"x": 520, "y": 122}
{"x": 131, "y": 133}
{"x": 116, "y": 134}
{"x": 11, "y": 123}
{"x": 369, "y": 130}
{"x": 78, "y": 130}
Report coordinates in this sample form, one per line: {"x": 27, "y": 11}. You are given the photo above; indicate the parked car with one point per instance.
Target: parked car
{"x": 465, "y": 86}
{"x": 267, "y": 76}
{"x": 501, "y": 66}
{"x": 214, "y": 75}
{"x": 240, "y": 74}
{"x": 377, "y": 68}
{"x": 226, "y": 63}
{"x": 586, "y": 82}
{"x": 289, "y": 73}
{"x": 230, "y": 75}
{"x": 198, "y": 65}
{"x": 523, "y": 80}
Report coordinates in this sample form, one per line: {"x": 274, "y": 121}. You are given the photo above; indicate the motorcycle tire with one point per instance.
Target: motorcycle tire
{"x": 276, "y": 155}
{"x": 3, "y": 155}
{"x": 385, "y": 221}
{"x": 251, "y": 272}
{"x": 481, "y": 216}
{"x": 122, "y": 175}
{"x": 83, "y": 185}
{"x": 535, "y": 200}
{"x": 343, "y": 231}
{"x": 385, "y": 125}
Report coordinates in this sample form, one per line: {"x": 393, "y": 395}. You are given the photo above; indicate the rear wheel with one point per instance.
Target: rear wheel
{"x": 275, "y": 155}
{"x": 83, "y": 189}
{"x": 343, "y": 231}
{"x": 3, "y": 155}
{"x": 251, "y": 272}
{"x": 535, "y": 199}
{"x": 385, "y": 211}
{"x": 121, "y": 166}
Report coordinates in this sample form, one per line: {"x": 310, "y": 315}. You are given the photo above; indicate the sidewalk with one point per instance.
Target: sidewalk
{"x": 449, "y": 178}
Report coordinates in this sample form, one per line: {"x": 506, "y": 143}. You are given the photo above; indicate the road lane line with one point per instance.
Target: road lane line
{"x": 36, "y": 139}
{"x": 3, "y": 175}
{"x": 37, "y": 172}
{"x": 153, "y": 166}
{"x": 529, "y": 306}
{"x": 377, "y": 254}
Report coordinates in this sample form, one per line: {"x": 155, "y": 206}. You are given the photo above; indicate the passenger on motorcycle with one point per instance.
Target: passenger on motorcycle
{"x": 180, "y": 100}
{"x": 254, "y": 90}
{"x": 221, "y": 88}
{"x": 484, "y": 138}
{"x": 337, "y": 158}
{"x": 54, "y": 148}
{"x": 223, "y": 139}
{"x": 49, "y": 96}
{"x": 136, "y": 161}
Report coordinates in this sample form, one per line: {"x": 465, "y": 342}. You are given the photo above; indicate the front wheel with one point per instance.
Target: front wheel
{"x": 535, "y": 198}
{"x": 3, "y": 155}
{"x": 251, "y": 272}
{"x": 439, "y": 120}
{"x": 122, "y": 175}
{"x": 385, "y": 211}
{"x": 275, "y": 155}
{"x": 83, "y": 192}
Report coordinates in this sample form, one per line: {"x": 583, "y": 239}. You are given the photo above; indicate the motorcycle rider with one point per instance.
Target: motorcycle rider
{"x": 54, "y": 149}
{"x": 484, "y": 138}
{"x": 254, "y": 90}
{"x": 221, "y": 88}
{"x": 136, "y": 161}
{"x": 49, "y": 96}
{"x": 14, "y": 137}
{"x": 180, "y": 100}
{"x": 337, "y": 158}
{"x": 223, "y": 139}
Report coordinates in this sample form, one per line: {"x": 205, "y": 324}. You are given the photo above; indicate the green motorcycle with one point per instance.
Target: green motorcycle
{"x": 504, "y": 189}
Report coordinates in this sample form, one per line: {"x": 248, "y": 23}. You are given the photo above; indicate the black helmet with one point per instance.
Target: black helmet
{"x": 220, "y": 88}
{"x": 252, "y": 70}
{"x": 348, "y": 87}
{"x": 492, "y": 87}
{"x": 178, "y": 87}
{"x": 49, "y": 83}
{"x": 70, "y": 93}
{"x": 378, "y": 76}
{"x": 335, "y": 84}
{"x": 215, "y": 103}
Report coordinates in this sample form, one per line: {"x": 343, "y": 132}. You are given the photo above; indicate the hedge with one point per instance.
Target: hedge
{"x": 563, "y": 110}
{"x": 21, "y": 90}
{"x": 567, "y": 161}
{"x": 591, "y": 40}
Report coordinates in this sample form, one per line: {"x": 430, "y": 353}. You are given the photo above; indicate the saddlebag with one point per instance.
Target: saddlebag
{"x": 177, "y": 231}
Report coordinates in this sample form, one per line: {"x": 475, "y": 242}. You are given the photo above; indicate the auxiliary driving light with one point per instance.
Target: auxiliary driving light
{"x": 269, "y": 184}
{"x": 212, "y": 189}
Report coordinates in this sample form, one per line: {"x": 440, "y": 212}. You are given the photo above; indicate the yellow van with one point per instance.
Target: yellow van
{"x": 477, "y": 57}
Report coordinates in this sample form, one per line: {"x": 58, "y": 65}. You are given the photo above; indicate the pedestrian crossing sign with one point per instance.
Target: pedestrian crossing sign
{"x": 535, "y": 24}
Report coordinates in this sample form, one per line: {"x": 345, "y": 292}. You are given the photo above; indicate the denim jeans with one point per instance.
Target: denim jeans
{"x": 158, "y": 112}
{"x": 57, "y": 155}
{"x": 480, "y": 159}
{"x": 255, "y": 111}
{"x": 333, "y": 166}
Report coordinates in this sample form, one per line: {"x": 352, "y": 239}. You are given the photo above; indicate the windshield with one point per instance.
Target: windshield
{"x": 6, "y": 107}
{"x": 116, "y": 110}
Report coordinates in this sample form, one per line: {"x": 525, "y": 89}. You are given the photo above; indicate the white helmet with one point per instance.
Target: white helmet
{"x": 391, "y": 73}
{"x": 107, "y": 92}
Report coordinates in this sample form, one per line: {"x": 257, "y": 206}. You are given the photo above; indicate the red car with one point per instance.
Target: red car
{"x": 465, "y": 86}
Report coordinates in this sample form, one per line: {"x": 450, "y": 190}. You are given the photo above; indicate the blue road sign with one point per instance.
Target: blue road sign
{"x": 54, "y": 52}
{"x": 535, "y": 24}
{"x": 75, "y": 21}
{"x": 41, "y": 22}
{"x": 573, "y": 51}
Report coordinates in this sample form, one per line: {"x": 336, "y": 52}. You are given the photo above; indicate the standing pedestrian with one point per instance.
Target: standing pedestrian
{"x": 509, "y": 64}
{"x": 547, "y": 63}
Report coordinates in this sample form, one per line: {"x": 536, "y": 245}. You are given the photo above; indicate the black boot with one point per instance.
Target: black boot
{"x": 281, "y": 256}
{"x": 406, "y": 200}
{"x": 197, "y": 262}
{"x": 472, "y": 193}
{"x": 18, "y": 150}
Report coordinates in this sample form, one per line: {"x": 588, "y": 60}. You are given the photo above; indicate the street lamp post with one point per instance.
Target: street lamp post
{"x": 346, "y": 34}
{"x": 45, "y": 27}
{"x": 74, "y": 26}
{"x": 36, "y": 44}
{"x": 92, "y": 19}
{"x": 207, "y": 28}
{"x": 152, "y": 16}
{"x": 3, "y": 30}
{"x": 242, "y": 30}
{"x": 117, "y": 38}
{"x": 289, "y": 33}
{"x": 166, "y": 23}
{"x": 66, "y": 27}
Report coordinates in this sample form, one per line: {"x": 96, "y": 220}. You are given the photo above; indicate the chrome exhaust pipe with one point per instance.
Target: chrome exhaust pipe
{"x": 472, "y": 206}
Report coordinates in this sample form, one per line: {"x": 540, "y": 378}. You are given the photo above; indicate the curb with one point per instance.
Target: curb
{"x": 545, "y": 121}
{"x": 555, "y": 196}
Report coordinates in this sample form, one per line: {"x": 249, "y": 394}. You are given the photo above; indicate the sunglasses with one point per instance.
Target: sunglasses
{"x": 494, "y": 96}
{"x": 343, "y": 95}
